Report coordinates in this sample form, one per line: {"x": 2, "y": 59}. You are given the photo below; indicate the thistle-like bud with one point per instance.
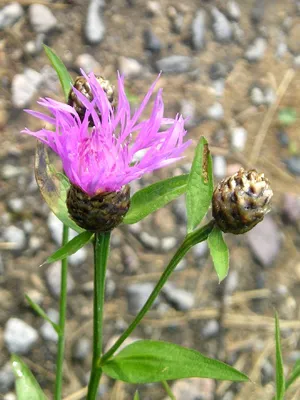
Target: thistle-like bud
{"x": 241, "y": 201}
{"x": 100, "y": 213}
{"x": 82, "y": 85}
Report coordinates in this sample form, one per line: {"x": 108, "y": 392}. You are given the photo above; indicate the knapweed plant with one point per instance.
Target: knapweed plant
{"x": 103, "y": 146}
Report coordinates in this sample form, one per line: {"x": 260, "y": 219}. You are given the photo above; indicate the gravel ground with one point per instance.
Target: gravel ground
{"x": 230, "y": 66}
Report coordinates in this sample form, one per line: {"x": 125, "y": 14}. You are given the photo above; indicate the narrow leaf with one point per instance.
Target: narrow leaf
{"x": 153, "y": 197}
{"x": 27, "y": 387}
{"x": 42, "y": 313}
{"x": 200, "y": 185}
{"x": 294, "y": 375}
{"x": 136, "y": 396}
{"x": 70, "y": 248}
{"x": 219, "y": 252}
{"x": 280, "y": 381}
{"x": 53, "y": 186}
{"x": 148, "y": 361}
{"x": 62, "y": 72}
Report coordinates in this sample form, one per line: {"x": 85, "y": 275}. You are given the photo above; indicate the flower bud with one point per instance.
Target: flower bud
{"x": 82, "y": 85}
{"x": 241, "y": 201}
{"x": 100, "y": 213}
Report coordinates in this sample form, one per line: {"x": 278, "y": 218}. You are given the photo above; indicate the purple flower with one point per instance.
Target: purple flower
{"x": 119, "y": 148}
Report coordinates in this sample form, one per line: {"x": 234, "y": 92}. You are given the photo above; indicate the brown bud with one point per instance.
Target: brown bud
{"x": 100, "y": 213}
{"x": 82, "y": 85}
{"x": 241, "y": 201}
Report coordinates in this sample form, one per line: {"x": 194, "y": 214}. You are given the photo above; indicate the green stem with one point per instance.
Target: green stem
{"x": 191, "y": 239}
{"x": 62, "y": 319}
{"x": 168, "y": 390}
{"x": 101, "y": 249}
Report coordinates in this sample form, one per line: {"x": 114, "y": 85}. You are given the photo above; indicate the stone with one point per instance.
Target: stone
{"x": 82, "y": 349}
{"x": 137, "y": 295}
{"x": 199, "y": 30}
{"x": 53, "y": 279}
{"x": 221, "y": 26}
{"x": 153, "y": 8}
{"x": 283, "y": 138}
{"x": 174, "y": 64}
{"x": 47, "y": 330}
{"x": 200, "y": 250}
{"x": 151, "y": 42}
{"x": 10, "y": 14}
{"x": 270, "y": 96}
{"x": 291, "y": 208}
{"x": 188, "y": 110}
{"x": 219, "y": 167}
{"x": 178, "y": 298}
{"x": 15, "y": 236}
{"x": 293, "y": 165}
{"x": 168, "y": 243}
{"x": 88, "y": 63}
{"x": 293, "y": 39}
{"x": 216, "y": 112}
{"x": 149, "y": 241}
{"x": 41, "y": 18}
{"x": 130, "y": 67}
{"x": 265, "y": 241}
{"x": 257, "y": 11}
{"x": 219, "y": 87}
{"x": 179, "y": 209}
{"x": 257, "y": 96}
{"x": 256, "y": 50}
{"x": 94, "y": 27}
{"x": 24, "y": 87}
{"x": 7, "y": 378}
{"x": 34, "y": 47}
{"x": 218, "y": 70}
{"x": 130, "y": 259}
{"x": 16, "y": 205}
{"x": 19, "y": 337}
{"x": 233, "y": 10}
{"x": 190, "y": 389}
{"x": 238, "y": 138}
{"x": 211, "y": 329}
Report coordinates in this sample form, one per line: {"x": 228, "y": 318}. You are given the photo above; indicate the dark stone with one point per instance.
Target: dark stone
{"x": 151, "y": 42}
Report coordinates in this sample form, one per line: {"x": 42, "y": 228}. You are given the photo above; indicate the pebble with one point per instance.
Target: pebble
{"x": 16, "y": 205}
{"x": 219, "y": 87}
{"x": 291, "y": 207}
{"x": 189, "y": 389}
{"x": 11, "y": 171}
{"x": 179, "y": 209}
{"x": 88, "y": 63}
{"x": 238, "y": 138}
{"x": 265, "y": 241}
{"x": 137, "y": 295}
{"x": 94, "y": 27}
{"x": 283, "y": 138}
{"x": 211, "y": 329}
{"x": 200, "y": 250}
{"x": 233, "y": 10}
{"x": 293, "y": 165}
{"x": 256, "y": 50}
{"x": 7, "y": 378}
{"x": 219, "y": 167}
{"x": 216, "y": 112}
{"x": 130, "y": 68}
{"x": 47, "y": 330}
{"x": 218, "y": 70}
{"x": 10, "y": 14}
{"x": 257, "y": 11}
{"x": 257, "y": 96}
{"x": 221, "y": 26}
{"x": 188, "y": 110}
{"x": 130, "y": 259}
{"x": 2, "y": 269}
{"x": 16, "y": 236}
{"x": 24, "y": 87}
{"x": 181, "y": 299}
{"x": 82, "y": 349}
{"x": 41, "y": 18}
{"x": 19, "y": 337}
{"x": 34, "y": 47}
{"x": 153, "y": 8}
{"x": 149, "y": 241}
{"x": 151, "y": 42}
{"x": 175, "y": 64}
{"x": 176, "y": 18}
{"x": 53, "y": 278}
{"x": 9, "y": 396}
{"x": 297, "y": 62}
{"x": 293, "y": 39}
{"x": 199, "y": 30}
{"x": 168, "y": 243}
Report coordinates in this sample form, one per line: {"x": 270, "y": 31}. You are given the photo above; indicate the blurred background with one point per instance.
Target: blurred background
{"x": 233, "y": 68}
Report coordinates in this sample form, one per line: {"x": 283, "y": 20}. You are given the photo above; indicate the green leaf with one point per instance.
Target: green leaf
{"x": 146, "y": 361}
{"x": 42, "y": 313}
{"x": 219, "y": 252}
{"x": 153, "y": 197}
{"x": 280, "y": 381}
{"x": 294, "y": 375}
{"x": 70, "y": 248}
{"x": 62, "y": 72}
{"x": 136, "y": 396}
{"x": 53, "y": 187}
{"x": 200, "y": 185}
{"x": 287, "y": 116}
{"x": 27, "y": 387}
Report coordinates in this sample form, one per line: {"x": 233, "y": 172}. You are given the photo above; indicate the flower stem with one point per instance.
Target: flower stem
{"x": 62, "y": 319}
{"x": 168, "y": 390}
{"x": 101, "y": 249}
{"x": 190, "y": 240}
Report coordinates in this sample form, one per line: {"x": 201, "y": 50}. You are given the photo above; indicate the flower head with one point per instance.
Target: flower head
{"x": 119, "y": 147}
